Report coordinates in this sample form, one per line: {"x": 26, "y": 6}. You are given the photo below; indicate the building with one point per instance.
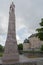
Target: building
{"x": 26, "y": 45}
{"x": 34, "y": 43}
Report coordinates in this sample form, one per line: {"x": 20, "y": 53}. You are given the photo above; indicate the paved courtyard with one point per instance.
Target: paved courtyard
{"x": 22, "y": 59}
{"x": 25, "y": 59}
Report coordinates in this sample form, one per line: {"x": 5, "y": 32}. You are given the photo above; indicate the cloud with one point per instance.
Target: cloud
{"x": 18, "y": 39}
{"x": 19, "y": 23}
{"x": 3, "y": 23}
{"x": 28, "y": 16}
{"x": 2, "y": 39}
{"x": 3, "y": 28}
{"x": 30, "y": 12}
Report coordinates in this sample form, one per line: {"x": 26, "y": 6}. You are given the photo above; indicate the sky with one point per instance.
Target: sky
{"x": 28, "y": 15}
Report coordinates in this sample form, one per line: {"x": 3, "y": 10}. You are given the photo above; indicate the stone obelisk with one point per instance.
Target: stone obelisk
{"x": 11, "y": 55}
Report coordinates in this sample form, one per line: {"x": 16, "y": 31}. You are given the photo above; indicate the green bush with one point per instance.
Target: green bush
{"x": 41, "y": 47}
{"x": 1, "y": 48}
{"x": 1, "y": 54}
{"x": 20, "y": 47}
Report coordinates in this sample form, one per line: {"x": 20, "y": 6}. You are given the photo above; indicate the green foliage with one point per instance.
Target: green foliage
{"x": 1, "y": 54}
{"x": 1, "y": 48}
{"x": 41, "y": 24}
{"x": 40, "y": 35}
{"x": 40, "y": 31}
{"x": 41, "y": 47}
{"x": 26, "y": 41}
{"x": 20, "y": 47}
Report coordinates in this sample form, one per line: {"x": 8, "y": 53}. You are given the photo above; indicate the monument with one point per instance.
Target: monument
{"x": 11, "y": 55}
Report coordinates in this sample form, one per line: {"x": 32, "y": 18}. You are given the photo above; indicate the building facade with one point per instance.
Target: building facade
{"x": 34, "y": 43}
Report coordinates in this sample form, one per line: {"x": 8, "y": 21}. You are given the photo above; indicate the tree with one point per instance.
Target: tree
{"x": 20, "y": 47}
{"x": 40, "y": 30}
{"x": 1, "y": 48}
{"x": 41, "y": 47}
{"x": 26, "y": 41}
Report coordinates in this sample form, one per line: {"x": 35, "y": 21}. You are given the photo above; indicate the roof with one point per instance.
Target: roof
{"x": 33, "y": 35}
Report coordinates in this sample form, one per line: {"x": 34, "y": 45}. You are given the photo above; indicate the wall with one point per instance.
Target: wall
{"x": 35, "y": 42}
{"x": 26, "y": 46}
{"x": 34, "y": 54}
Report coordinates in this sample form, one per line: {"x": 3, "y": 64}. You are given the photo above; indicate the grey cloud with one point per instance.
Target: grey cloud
{"x": 31, "y": 11}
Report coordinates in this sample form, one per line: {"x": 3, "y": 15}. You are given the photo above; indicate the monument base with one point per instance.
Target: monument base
{"x": 10, "y": 59}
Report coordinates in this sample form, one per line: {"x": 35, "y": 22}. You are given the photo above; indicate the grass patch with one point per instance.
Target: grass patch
{"x": 33, "y": 57}
{"x": 1, "y": 54}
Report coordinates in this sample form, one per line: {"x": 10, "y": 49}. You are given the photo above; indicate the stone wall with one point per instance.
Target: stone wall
{"x": 35, "y": 54}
